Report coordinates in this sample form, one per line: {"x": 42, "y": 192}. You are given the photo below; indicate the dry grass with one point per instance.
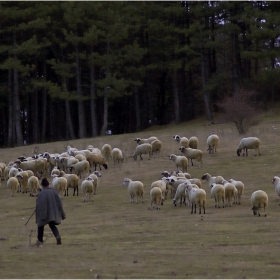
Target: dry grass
{"x": 111, "y": 238}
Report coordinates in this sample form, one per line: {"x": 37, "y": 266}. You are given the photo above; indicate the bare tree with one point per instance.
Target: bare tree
{"x": 240, "y": 108}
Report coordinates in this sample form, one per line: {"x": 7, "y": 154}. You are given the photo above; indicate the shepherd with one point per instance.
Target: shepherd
{"x": 49, "y": 210}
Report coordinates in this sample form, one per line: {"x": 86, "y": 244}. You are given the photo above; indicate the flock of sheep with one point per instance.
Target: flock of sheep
{"x": 77, "y": 169}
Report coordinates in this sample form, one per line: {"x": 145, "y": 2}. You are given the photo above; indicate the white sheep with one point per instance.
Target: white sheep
{"x": 141, "y": 149}
{"x": 156, "y": 147}
{"x": 196, "y": 181}
{"x": 180, "y": 162}
{"x": 192, "y": 154}
{"x": 22, "y": 177}
{"x": 33, "y": 185}
{"x": 95, "y": 175}
{"x": 140, "y": 141}
{"x": 193, "y": 142}
{"x": 13, "y": 184}
{"x": 72, "y": 182}
{"x": 163, "y": 184}
{"x": 135, "y": 189}
{"x": 212, "y": 179}
{"x": 229, "y": 193}
{"x": 156, "y": 198}
{"x": 67, "y": 162}
{"x": 218, "y": 193}
{"x": 259, "y": 199}
{"x": 180, "y": 194}
{"x": 2, "y": 170}
{"x": 95, "y": 159}
{"x": 106, "y": 151}
{"x": 174, "y": 183}
{"x": 80, "y": 157}
{"x": 81, "y": 168}
{"x": 116, "y": 155}
{"x": 213, "y": 143}
{"x": 276, "y": 184}
{"x": 191, "y": 185}
{"x": 197, "y": 197}
{"x": 180, "y": 174}
{"x": 14, "y": 171}
{"x": 249, "y": 143}
{"x": 240, "y": 189}
{"x": 87, "y": 189}
{"x": 59, "y": 184}
{"x": 183, "y": 141}
{"x": 55, "y": 171}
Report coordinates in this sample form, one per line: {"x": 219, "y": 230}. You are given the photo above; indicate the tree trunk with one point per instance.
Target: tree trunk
{"x": 176, "y": 98}
{"x": 44, "y": 107}
{"x": 81, "y": 111}
{"x": 70, "y": 130}
{"x": 16, "y": 109}
{"x": 206, "y": 94}
{"x": 11, "y": 115}
{"x": 137, "y": 108}
{"x": 92, "y": 103}
{"x": 105, "y": 113}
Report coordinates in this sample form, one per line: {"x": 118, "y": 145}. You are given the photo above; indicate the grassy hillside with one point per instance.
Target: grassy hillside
{"x": 111, "y": 238}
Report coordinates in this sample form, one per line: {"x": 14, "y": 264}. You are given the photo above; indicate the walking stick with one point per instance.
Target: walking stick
{"x": 30, "y": 217}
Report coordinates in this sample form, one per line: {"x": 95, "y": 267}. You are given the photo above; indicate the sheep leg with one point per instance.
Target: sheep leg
{"x": 191, "y": 161}
{"x": 192, "y": 209}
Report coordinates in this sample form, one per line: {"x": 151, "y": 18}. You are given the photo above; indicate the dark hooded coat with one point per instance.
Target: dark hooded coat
{"x": 49, "y": 207}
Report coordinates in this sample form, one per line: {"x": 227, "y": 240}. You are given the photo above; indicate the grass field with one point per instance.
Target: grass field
{"x": 111, "y": 238}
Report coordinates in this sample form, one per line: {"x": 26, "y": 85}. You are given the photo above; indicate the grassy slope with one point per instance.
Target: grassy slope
{"x": 115, "y": 239}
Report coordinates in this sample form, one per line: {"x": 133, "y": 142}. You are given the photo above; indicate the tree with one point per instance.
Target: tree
{"x": 240, "y": 108}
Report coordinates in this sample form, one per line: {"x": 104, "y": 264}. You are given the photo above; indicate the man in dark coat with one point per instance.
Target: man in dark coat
{"x": 49, "y": 211}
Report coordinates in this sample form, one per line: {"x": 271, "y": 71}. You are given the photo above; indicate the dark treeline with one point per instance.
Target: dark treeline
{"x": 71, "y": 70}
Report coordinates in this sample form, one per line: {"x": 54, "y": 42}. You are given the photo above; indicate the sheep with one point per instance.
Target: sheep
{"x": 97, "y": 159}
{"x": 33, "y": 185}
{"x": 229, "y": 193}
{"x": 30, "y": 173}
{"x": 140, "y": 141}
{"x": 197, "y": 197}
{"x": 13, "y": 184}
{"x": 180, "y": 174}
{"x": 6, "y": 172}
{"x": 80, "y": 168}
{"x": 36, "y": 165}
{"x": 72, "y": 182}
{"x": 193, "y": 142}
{"x": 240, "y": 189}
{"x": 183, "y": 141}
{"x": 135, "y": 189}
{"x": 2, "y": 169}
{"x": 212, "y": 143}
{"x": 90, "y": 148}
{"x": 59, "y": 184}
{"x": 156, "y": 147}
{"x": 95, "y": 176}
{"x": 22, "y": 177}
{"x": 116, "y": 155}
{"x": 163, "y": 184}
{"x": 210, "y": 180}
{"x": 80, "y": 157}
{"x": 259, "y": 199}
{"x": 145, "y": 148}
{"x": 174, "y": 183}
{"x": 249, "y": 143}
{"x": 180, "y": 193}
{"x": 106, "y": 151}
{"x": 192, "y": 154}
{"x": 168, "y": 174}
{"x": 156, "y": 197}
{"x": 14, "y": 171}
{"x": 70, "y": 149}
{"x": 87, "y": 189}
{"x": 276, "y": 184}
{"x": 55, "y": 171}
{"x": 51, "y": 160}
{"x": 180, "y": 161}
{"x": 67, "y": 162}
{"x": 191, "y": 185}
{"x": 196, "y": 181}
{"x": 218, "y": 193}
